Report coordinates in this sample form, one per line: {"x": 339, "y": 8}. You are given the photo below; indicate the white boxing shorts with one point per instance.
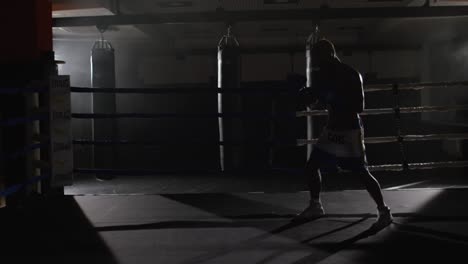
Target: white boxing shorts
{"x": 344, "y": 149}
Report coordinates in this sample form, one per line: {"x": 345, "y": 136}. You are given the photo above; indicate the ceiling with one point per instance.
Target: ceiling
{"x": 404, "y": 32}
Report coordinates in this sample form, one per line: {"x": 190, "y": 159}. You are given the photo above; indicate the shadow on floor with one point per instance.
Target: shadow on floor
{"x": 217, "y": 204}
{"x": 399, "y": 243}
{"x": 230, "y": 206}
{"x": 405, "y": 241}
{"x": 51, "y": 230}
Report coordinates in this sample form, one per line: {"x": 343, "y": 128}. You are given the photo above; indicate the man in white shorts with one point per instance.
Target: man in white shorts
{"x": 341, "y": 144}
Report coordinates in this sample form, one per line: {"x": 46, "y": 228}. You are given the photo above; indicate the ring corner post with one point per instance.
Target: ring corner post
{"x": 60, "y": 150}
{"x": 24, "y": 64}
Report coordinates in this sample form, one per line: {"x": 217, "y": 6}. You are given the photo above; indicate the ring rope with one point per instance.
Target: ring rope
{"x": 17, "y": 187}
{"x": 386, "y": 167}
{"x": 177, "y": 115}
{"x": 419, "y": 166}
{"x": 23, "y": 90}
{"x": 455, "y": 136}
{"x": 376, "y": 111}
{"x": 22, "y": 120}
{"x": 156, "y": 143}
{"x": 407, "y": 138}
{"x": 175, "y": 90}
{"x": 299, "y": 142}
{"x": 191, "y": 90}
{"x": 414, "y": 86}
{"x": 24, "y": 151}
{"x": 403, "y": 110}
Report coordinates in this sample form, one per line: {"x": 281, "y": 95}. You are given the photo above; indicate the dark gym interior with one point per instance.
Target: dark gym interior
{"x": 167, "y": 131}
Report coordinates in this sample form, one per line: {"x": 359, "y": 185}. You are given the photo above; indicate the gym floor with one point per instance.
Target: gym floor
{"x": 237, "y": 228}
{"x": 194, "y": 219}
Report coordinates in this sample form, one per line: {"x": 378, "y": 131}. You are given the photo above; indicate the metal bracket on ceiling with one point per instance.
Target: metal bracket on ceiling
{"x": 102, "y": 29}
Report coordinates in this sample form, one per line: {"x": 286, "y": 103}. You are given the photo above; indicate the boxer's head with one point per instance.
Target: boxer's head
{"x": 323, "y": 52}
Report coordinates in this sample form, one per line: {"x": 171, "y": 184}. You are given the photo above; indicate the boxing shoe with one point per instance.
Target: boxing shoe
{"x": 313, "y": 211}
{"x": 384, "y": 219}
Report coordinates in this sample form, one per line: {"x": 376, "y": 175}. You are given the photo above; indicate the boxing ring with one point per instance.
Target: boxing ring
{"x": 397, "y": 111}
{"x": 43, "y": 163}
{"x": 42, "y": 141}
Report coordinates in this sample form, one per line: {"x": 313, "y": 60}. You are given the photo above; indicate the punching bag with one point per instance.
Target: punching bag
{"x": 229, "y": 77}
{"x": 103, "y": 76}
{"x": 311, "y": 40}
{"x": 102, "y": 64}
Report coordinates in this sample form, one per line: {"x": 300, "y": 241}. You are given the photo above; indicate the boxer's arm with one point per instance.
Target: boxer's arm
{"x": 357, "y": 98}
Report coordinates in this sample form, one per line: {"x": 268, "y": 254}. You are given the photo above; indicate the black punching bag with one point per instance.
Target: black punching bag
{"x": 311, "y": 40}
{"x": 103, "y": 76}
{"x": 229, "y": 77}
